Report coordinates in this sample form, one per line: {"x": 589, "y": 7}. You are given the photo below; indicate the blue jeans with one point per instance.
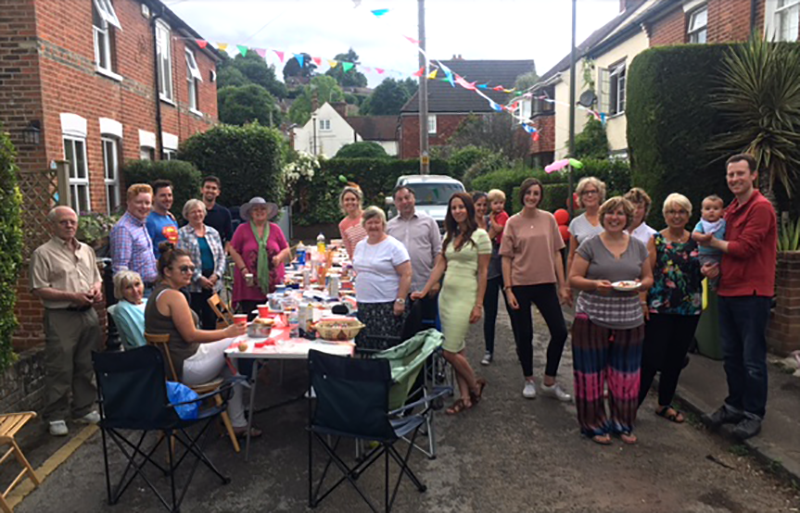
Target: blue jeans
{"x": 743, "y": 325}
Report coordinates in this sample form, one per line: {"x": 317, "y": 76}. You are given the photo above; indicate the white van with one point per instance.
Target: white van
{"x": 432, "y": 194}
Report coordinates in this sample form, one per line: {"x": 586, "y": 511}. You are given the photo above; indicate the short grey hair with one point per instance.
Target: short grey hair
{"x": 190, "y": 205}
{"x": 591, "y": 180}
{"x": 121, "y": 281}
{"x": 52, "y": 216}
{"x": 372, "y": 213}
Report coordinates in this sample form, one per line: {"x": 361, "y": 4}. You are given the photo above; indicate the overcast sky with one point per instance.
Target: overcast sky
{"x": 476, "y": 29}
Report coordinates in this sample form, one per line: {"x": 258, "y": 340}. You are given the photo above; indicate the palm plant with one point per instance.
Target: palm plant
{"x": 789, "y": 235}
{"x": 759, "y": 96}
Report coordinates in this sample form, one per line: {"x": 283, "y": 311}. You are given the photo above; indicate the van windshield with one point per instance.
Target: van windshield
{"x": 434, "y": 193}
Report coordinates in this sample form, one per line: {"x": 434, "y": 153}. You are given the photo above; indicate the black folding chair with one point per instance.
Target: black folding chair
{"x": 132, "y": 393}
{"x": 353, "y": 402}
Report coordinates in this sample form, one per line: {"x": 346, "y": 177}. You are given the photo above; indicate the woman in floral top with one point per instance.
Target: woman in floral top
{"x": 673, "y": 305}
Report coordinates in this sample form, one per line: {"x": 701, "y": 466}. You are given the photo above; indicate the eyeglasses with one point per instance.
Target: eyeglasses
{"x": 187, "y": 269}
{"x": 587, "y": 193}
{"x": 677, "y": 213}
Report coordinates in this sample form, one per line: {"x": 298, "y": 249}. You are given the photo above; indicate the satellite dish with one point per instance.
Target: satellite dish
{"x": 587, "y": 99}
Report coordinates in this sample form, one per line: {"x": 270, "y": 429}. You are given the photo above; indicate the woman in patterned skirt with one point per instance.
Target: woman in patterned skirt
{"x": 608, "y": 329}
{"x": 466, "y": 252}
{"x": 383, "y": 280}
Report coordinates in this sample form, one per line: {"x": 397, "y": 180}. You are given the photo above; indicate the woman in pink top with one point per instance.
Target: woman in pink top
{"x": 350, "y": 227}
{"x": 260, "y": 251}
{"x": 533, "y": 273}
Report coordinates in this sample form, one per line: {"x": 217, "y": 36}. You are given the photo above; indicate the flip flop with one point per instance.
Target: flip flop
{"x": 628, "y": 438}
{"x": 676, "y": 416}
{"x": 601, "y": 439}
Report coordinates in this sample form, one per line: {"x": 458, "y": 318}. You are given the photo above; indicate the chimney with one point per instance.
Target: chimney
{"x": 340, "y": 107}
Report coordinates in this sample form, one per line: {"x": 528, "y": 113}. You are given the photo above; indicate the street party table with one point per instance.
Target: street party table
{"x": 278, "y": 346}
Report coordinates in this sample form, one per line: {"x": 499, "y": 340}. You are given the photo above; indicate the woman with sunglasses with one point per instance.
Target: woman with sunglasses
{"x": 198, "y": 355}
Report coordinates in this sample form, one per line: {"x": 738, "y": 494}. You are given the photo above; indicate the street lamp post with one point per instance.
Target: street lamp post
{"x": 571, "y": 113}
{"x": 424, "y": 159}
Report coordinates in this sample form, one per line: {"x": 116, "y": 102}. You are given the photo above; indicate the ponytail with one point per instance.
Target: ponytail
{"x": 169, "y": 253}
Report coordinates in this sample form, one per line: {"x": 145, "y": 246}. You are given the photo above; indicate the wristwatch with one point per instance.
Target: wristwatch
{"x": 400, "y": 301}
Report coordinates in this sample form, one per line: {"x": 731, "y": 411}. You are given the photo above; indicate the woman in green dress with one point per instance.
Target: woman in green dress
{"x": 466, "y": 252}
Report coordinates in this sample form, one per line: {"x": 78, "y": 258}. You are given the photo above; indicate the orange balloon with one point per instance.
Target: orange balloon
{"x": 565, "y": 235}
{"x": 562, "y": 217}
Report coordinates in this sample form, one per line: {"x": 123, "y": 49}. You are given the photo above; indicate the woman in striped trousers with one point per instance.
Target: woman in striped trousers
{"x": 608, "y": 330}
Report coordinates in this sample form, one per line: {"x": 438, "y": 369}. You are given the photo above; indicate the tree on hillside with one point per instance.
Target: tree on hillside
{"x": 388, "y": 98}
{"x": 292, "y": 67}
{"x": 525, "y": 81}
{"x": 410, "y": 85}
{"x": 352, "y": 78}
{"x": 249, "y": 69}
{"x": 497, "y": 132}
{"x": 246, "y": 104}
{"x": 323, "y": 89}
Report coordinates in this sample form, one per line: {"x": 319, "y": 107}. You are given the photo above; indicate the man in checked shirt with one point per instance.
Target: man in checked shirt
{"x": 131, "y": 246}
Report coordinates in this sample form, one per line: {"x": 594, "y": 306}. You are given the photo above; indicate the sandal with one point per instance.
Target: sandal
{"x": 628, "y": 438}
{"x": 457, "y": 407}
{"x": 601, "y": 439}
{"x": 671, "y": 414}
{"x": 477, "y": 396}
{"x": 242, "y": 432}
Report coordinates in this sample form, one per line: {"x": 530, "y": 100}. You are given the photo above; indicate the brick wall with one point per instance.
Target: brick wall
{"x": 446, "y": 125}
{"x": 783, "y": 333}
{"x": 728, "y": 21}
{"x": 546, "y": 125}
{"x": 22, "y": 384}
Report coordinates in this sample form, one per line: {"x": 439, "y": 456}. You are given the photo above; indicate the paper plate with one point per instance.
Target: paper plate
{"x": 625, "y": 286}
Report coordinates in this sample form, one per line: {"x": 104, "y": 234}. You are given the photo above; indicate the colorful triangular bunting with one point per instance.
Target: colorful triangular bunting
{"x": 200, "y": 43}
{"x": 279, "y": 54}
{"x": 242, "y": 50}
{"x": 347, "y": 66}
{"x": 299, "y": 57}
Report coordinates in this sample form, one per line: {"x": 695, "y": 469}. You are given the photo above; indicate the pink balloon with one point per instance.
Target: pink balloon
{"x": 558, "y": 165}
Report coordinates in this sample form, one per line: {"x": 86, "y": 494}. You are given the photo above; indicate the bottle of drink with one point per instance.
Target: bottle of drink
{"x": 321, "y": 244}
{"x": 294, "y": 323}
{"x": 301, "y": 254}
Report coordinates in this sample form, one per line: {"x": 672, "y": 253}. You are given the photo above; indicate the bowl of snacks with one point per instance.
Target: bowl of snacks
{"x": 338, "y": 328}
{"x": 260, "y": 327}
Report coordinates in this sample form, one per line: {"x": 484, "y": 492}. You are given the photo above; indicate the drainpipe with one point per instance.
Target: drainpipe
{"x": 157, "y": 95}
{"x": 753, "y": 7}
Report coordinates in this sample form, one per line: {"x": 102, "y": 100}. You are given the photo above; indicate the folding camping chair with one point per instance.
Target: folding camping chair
{"x": 132, "y": 394}
{"x": 353, "y": 401}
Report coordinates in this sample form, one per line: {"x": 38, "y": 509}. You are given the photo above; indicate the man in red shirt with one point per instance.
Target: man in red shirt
{"x": 746, "y": 287}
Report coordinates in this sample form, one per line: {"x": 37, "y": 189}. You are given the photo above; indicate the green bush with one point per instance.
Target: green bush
{"x": 671, "y": 123}
{"x": 247, "y": 159}
{"x": 10, "y": 247}
{"x": 362, "y": 149}
{"x": 183, "y": 175}
{"x": 555, "y": 197}
{"x": 615, "y": 173}
{"x": 464, "y": 158}
{"x": 592, "y": 142}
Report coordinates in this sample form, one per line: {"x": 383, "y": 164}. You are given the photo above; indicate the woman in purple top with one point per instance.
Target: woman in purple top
{"x": 260, "y": 251}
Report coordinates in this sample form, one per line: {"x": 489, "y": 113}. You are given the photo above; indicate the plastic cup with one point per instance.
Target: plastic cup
{"x": 240, "y": 319}
{"x": 263, "y": 311}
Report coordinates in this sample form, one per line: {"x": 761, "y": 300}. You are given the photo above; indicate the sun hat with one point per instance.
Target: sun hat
{"x": 257, "y": 201}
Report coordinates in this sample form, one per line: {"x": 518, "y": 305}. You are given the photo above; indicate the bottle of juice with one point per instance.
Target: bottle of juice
{"x": 321, "y": 243}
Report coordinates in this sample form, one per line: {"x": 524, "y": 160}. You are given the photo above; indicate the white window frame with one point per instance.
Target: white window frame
{"x": 78, "y": 175}
{"x": 147, "y": 153}
{"x": 193, "y": 79}
{"x": 111, "y": 156}
{"x": 107, "y": 12}
{"x": 697, "y": 34}
{"x": 613, "y": 88}
{"x": 164, "y": 54}
{"x": 169, "y": 154}
{"x": 431, "y": 124}
{"x": 324, "y": 125}
{"x": 103, "y": 35}
{"x": 787, "y": 15}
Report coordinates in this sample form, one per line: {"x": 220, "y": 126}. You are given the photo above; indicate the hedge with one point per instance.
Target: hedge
{"x": 362, "y": 149}
{"x": 184, "y": 176}
{"x": 247, "y": 159}
{"x": 10, "y": 247}
{"x": 670, "y": 123}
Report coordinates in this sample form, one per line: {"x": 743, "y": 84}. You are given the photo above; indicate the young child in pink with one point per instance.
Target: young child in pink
{"x": 498, "y": 216}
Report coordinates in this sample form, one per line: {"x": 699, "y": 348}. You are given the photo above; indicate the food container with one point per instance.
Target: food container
{"x": 280, "y": 289}
{"x": 338, "y": 329}
{"x": 260, "y": 327}
{"x": 274, "y": 302}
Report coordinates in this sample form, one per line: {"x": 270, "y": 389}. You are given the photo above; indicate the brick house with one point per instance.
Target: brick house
{"x": 643, "y": 24}
{"x": 448, "y": 106}
{"x": 97, "y": 82}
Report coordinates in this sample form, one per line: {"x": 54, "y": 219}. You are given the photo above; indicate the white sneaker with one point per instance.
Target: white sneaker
{"x": 556, "y": 392}
{"x": 59, "y": 428}
{"x": 529, "y": 392}
{"x": 90, "y": 418}
{"x": 487, "y": 358}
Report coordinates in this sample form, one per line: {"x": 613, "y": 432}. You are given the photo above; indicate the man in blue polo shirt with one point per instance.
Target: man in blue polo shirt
{"x": 161, "y": 224}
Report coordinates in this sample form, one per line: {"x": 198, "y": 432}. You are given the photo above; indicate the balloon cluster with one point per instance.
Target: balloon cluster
{"x": 562, "y": 218}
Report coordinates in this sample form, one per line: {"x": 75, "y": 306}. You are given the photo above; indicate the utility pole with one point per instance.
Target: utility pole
{"x": 571, "y": 112}
{"x": 424, "y": 158}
